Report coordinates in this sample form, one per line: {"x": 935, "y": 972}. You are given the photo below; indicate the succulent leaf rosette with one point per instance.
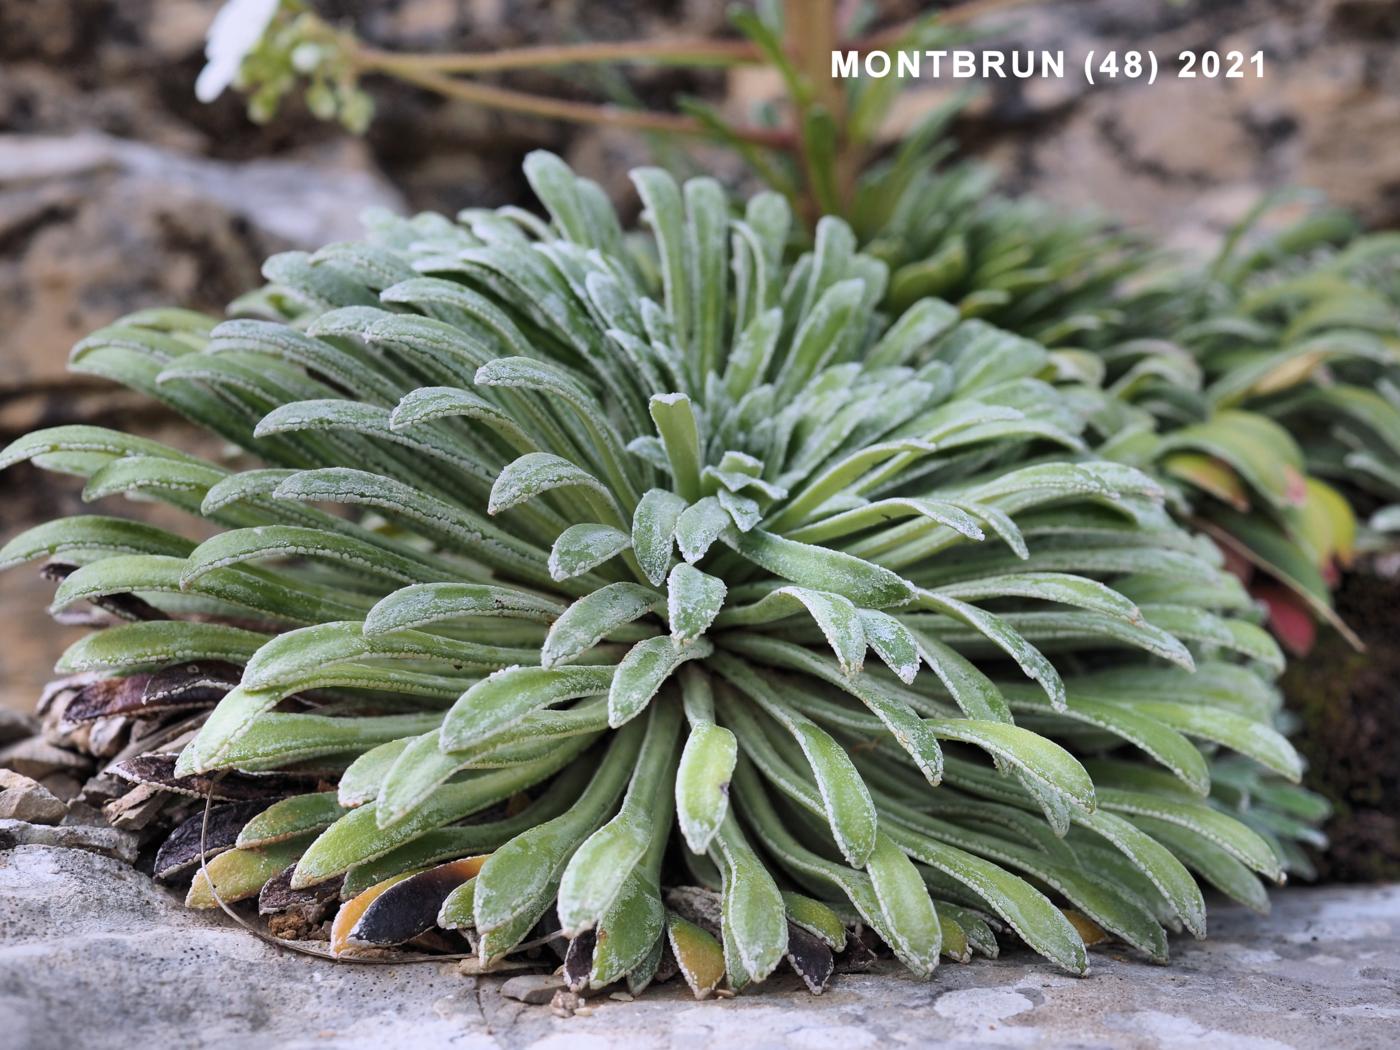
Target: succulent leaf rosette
{"x": 1261, "y": 388}
{"x": 657, "y": 593}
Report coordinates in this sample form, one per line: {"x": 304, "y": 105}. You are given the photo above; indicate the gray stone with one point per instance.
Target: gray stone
{"x": 22, "y": 798}
{"x": 16, "y": 725}
{"x": 109, "y": 842}
{"x": 533, "y": 988}
{"x": 93, "y": 954}
{"x": 38, "y": 758}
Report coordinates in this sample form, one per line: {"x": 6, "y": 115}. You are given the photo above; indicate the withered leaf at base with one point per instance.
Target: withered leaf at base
{"x": 857, "y": 958}
{"x": 578, "y": 961}
{"x": 410, "y": 907}
{"x": 696, "y": 904}
{"x": 159, "y": 770}
{"x": 183, "y": 686}
{"x": 277, "y": 894}
{"x": 811, "y": 958}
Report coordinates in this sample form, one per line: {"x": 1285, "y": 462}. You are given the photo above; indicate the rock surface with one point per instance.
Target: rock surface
{"x": 23, "y": 798}
{"x": 92, "y": 954}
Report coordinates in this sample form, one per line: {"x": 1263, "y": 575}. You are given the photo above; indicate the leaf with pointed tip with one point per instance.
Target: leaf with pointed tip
{"x": 893, "y": 643}
{"x": 862, "y": 517}
{"x": 699, "y": 525}
{"x": 975, "y": 693}
{"x": 1155, "y": 862}
{"x": 909, "y": 913}
{"x": 507, "y": 696}
{"x": 86, "y": 536}
{"x": 441, "y": 402}
{"x": 584, "y": 623}
{"x": 585, "y": 546}
{"x": 1063, "y": 588}
{"x": 522, "y": 877}
{"x": 1260, "y": 742}
{"x": 1038, "y": 922}
{"x": 535, "y": 473}
{"x": 1240, "y": 841}
{"x": 820, "y": 568}
{"x": 693, "y": 600}
{"x": 1042, "y": 759}
{"x": 702, "y": 783}
{"x": 356, "y": 837}
{"x": 997, "y": 630}
{"x": 273, "y": 740}
{"x": 305, "y": 658}
{"x": 294, "y": 541}
{"x": 290, "y": 817}
{"x": 838, "y": 619}
{"x": 597, "y": 874}
{"x": 845, "y": 799}
{"x": 642, "y": 672}
{"x": 654, "y": 530}
{"x": 134, "y": 646}
{"x": 424, "y": 604}
{"x": 754, "y": 922}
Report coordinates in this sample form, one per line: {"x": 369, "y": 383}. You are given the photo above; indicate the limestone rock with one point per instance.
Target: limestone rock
{"x": 98, "y": 226}
{"x": 93, "y": 954}
{"x": 22, "y": 798}
{"x": 37, "y": 758}
{"x": 118, "y": 845}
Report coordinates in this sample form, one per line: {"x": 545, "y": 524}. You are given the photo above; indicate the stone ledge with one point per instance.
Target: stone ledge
{"x": 92, "y": 954}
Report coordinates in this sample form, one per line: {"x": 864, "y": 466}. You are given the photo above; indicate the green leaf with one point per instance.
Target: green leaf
{"x": 584, "y": 623}
{"x": 693, "y": 600}
{"x": 823, "y": 569}
{"x": 294, "y": 541}
{"x": 653, "y": 532}
{"x": 838, "y": 619}
{"x": 85, "y": 536}
{"x": 1260, "y": 742}
{"x": 507, "y": 696}
{"x": 754, "y": 921}
{"x": 290, "y": 817}
{"x": 642, "y": 672}
{"x": 908, "y": 910}
{"x": 596, "y": 874}
{"x": 1224, "y": 831}
{"x": 424, "y": 604}
{"x": 585, "y": 546}
{"x": 894, "y": 643}
{"x": 1047, "y": 762}
{"x": 356, "y": 837}
{"x": 1260, "y": 450}
{"x": 1059, "y": 587}
{"x": 136, "y": 646}
{"x": 699, "y": 525}
{"x": 1156, "y": 863}
{"x": 535, "y": 473}
{"x": 519, "y": 880}
{"x": 998, "y": 631}
{"x": 845, "y": 800}
{"x": 1036, "y": 921}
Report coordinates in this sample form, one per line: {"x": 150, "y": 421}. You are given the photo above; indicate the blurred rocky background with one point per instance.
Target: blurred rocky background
{"x": 119, "y": 191}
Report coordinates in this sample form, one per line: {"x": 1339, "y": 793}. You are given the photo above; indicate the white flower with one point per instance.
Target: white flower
{"x": 235, "y": 31}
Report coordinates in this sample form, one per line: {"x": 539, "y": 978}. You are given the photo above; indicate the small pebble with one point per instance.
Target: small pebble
{"x": 535, "y": 989}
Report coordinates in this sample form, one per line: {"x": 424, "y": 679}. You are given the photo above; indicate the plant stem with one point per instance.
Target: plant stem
{"x": 685, "y": 52}
{"x": 513, "y": 101}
